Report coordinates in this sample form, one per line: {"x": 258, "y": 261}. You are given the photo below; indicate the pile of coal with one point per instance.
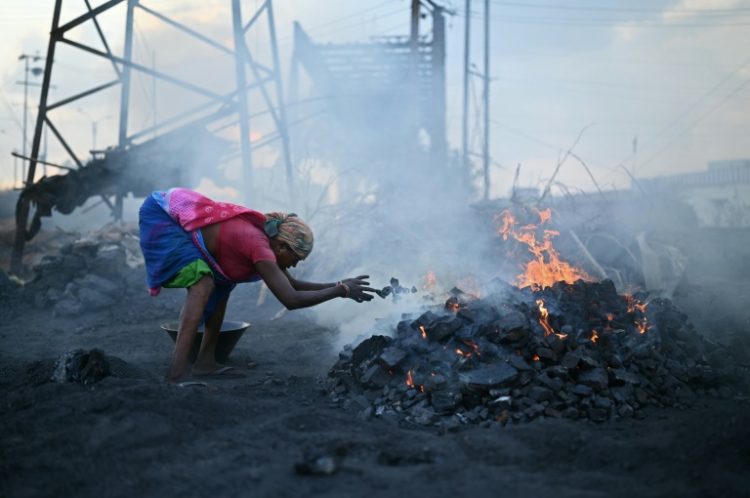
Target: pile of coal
{"x": 395, "y": 289}
{"x": 572, "y": 350}
{"x": 82, "y": 366}
{"x": 89, "y": 366}
{"x": 88, "y": 274}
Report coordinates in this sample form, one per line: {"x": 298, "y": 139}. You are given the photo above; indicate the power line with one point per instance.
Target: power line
{"x": 577, "y": 57}
{"x": 11, "y": 112}
{"x": 700, "y": 118}
{"x": 692, "y": 106}
{"x": 315, "y": 30}
{"x": 604, "y": 22}
{"x": 537, "y": 140}
{"x": 337, "y": 29}
{"x": 542, "y": 142}
{"x": 142, "y": 46}
{"x": 728, "y": 11}
{"x": 355, "y": 14}
{"x": 616, "y": 85}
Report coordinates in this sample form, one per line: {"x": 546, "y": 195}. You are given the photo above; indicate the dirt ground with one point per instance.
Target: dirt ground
{"x": 134, "y": 435}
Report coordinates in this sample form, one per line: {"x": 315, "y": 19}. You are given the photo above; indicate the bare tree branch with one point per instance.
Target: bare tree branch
{"x": 560, "y": 162}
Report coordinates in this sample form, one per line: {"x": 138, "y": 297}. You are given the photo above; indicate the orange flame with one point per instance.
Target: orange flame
{"x": 545, "y": 215}
{"x": 546, "y": 267}
{"x": 634, "y": 304}
{"x": 641, "y": 323}
{"x": 544, "y": 318}
{"x": 423, "y": 331}
{"x": 594, "y": 336}
{"x": 410, "y": 379}
{"x": 536, "y": 357}
{"x": 429, "y": 281}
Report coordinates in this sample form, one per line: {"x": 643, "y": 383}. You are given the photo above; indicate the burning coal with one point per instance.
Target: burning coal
{"x": 570, "y": 350}
{"x": 556, "y": 345}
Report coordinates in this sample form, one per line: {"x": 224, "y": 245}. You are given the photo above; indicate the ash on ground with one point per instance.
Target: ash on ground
{"x": 579, "y": 351}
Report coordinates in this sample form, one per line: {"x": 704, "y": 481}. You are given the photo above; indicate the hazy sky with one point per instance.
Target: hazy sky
{"x": 674, "y": 74}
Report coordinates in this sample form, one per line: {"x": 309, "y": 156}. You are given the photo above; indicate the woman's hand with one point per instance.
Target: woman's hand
{"x": 357, "y": 288}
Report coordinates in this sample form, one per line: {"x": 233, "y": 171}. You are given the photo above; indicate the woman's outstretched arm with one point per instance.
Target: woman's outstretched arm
{"x": 281, "y": 286}
{"x": 304, "y": 286}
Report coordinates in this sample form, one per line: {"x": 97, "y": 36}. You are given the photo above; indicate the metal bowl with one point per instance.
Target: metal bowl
{"x": 228, "y": 337}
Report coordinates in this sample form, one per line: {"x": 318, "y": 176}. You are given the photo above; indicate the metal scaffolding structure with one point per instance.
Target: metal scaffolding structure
{"x": 401, "y": 77}
{"x": 251, "y": 75}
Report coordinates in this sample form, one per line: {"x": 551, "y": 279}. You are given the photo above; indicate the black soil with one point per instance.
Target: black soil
{"x": 276, "y": 433}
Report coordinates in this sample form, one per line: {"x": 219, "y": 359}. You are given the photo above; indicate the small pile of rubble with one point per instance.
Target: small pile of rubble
{"x": 572, "y": 350}
{"x": 88, "y": 274}
{"x": 82, "y": 366}
{"x": 89, "y": 366}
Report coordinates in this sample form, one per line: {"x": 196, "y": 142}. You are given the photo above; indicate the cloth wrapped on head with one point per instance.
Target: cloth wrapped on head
{"x": 290, "y": 229}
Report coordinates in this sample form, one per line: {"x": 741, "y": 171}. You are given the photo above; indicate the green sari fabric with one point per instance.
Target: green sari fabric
{"x": 190, "y": 275}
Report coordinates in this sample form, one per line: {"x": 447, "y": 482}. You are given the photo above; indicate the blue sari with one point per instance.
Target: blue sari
{"x": 167, "y": 248}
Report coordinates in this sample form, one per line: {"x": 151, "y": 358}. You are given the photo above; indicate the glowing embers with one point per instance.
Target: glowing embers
{"x": 473, "y": 349}
{"x": 546, "y": 267}
{"x": 410, "y": 379}
{"x": 459, "y": 299}
{"x": 453, "y": 305}
{"x": 634, "y": 305}
{"x": 544, "y": 320}
{"x": 594, "y": 336}
{"x": 638, "y": 310}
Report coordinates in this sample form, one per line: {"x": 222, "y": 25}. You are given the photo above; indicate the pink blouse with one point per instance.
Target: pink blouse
{"x": 240, "y": 245}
